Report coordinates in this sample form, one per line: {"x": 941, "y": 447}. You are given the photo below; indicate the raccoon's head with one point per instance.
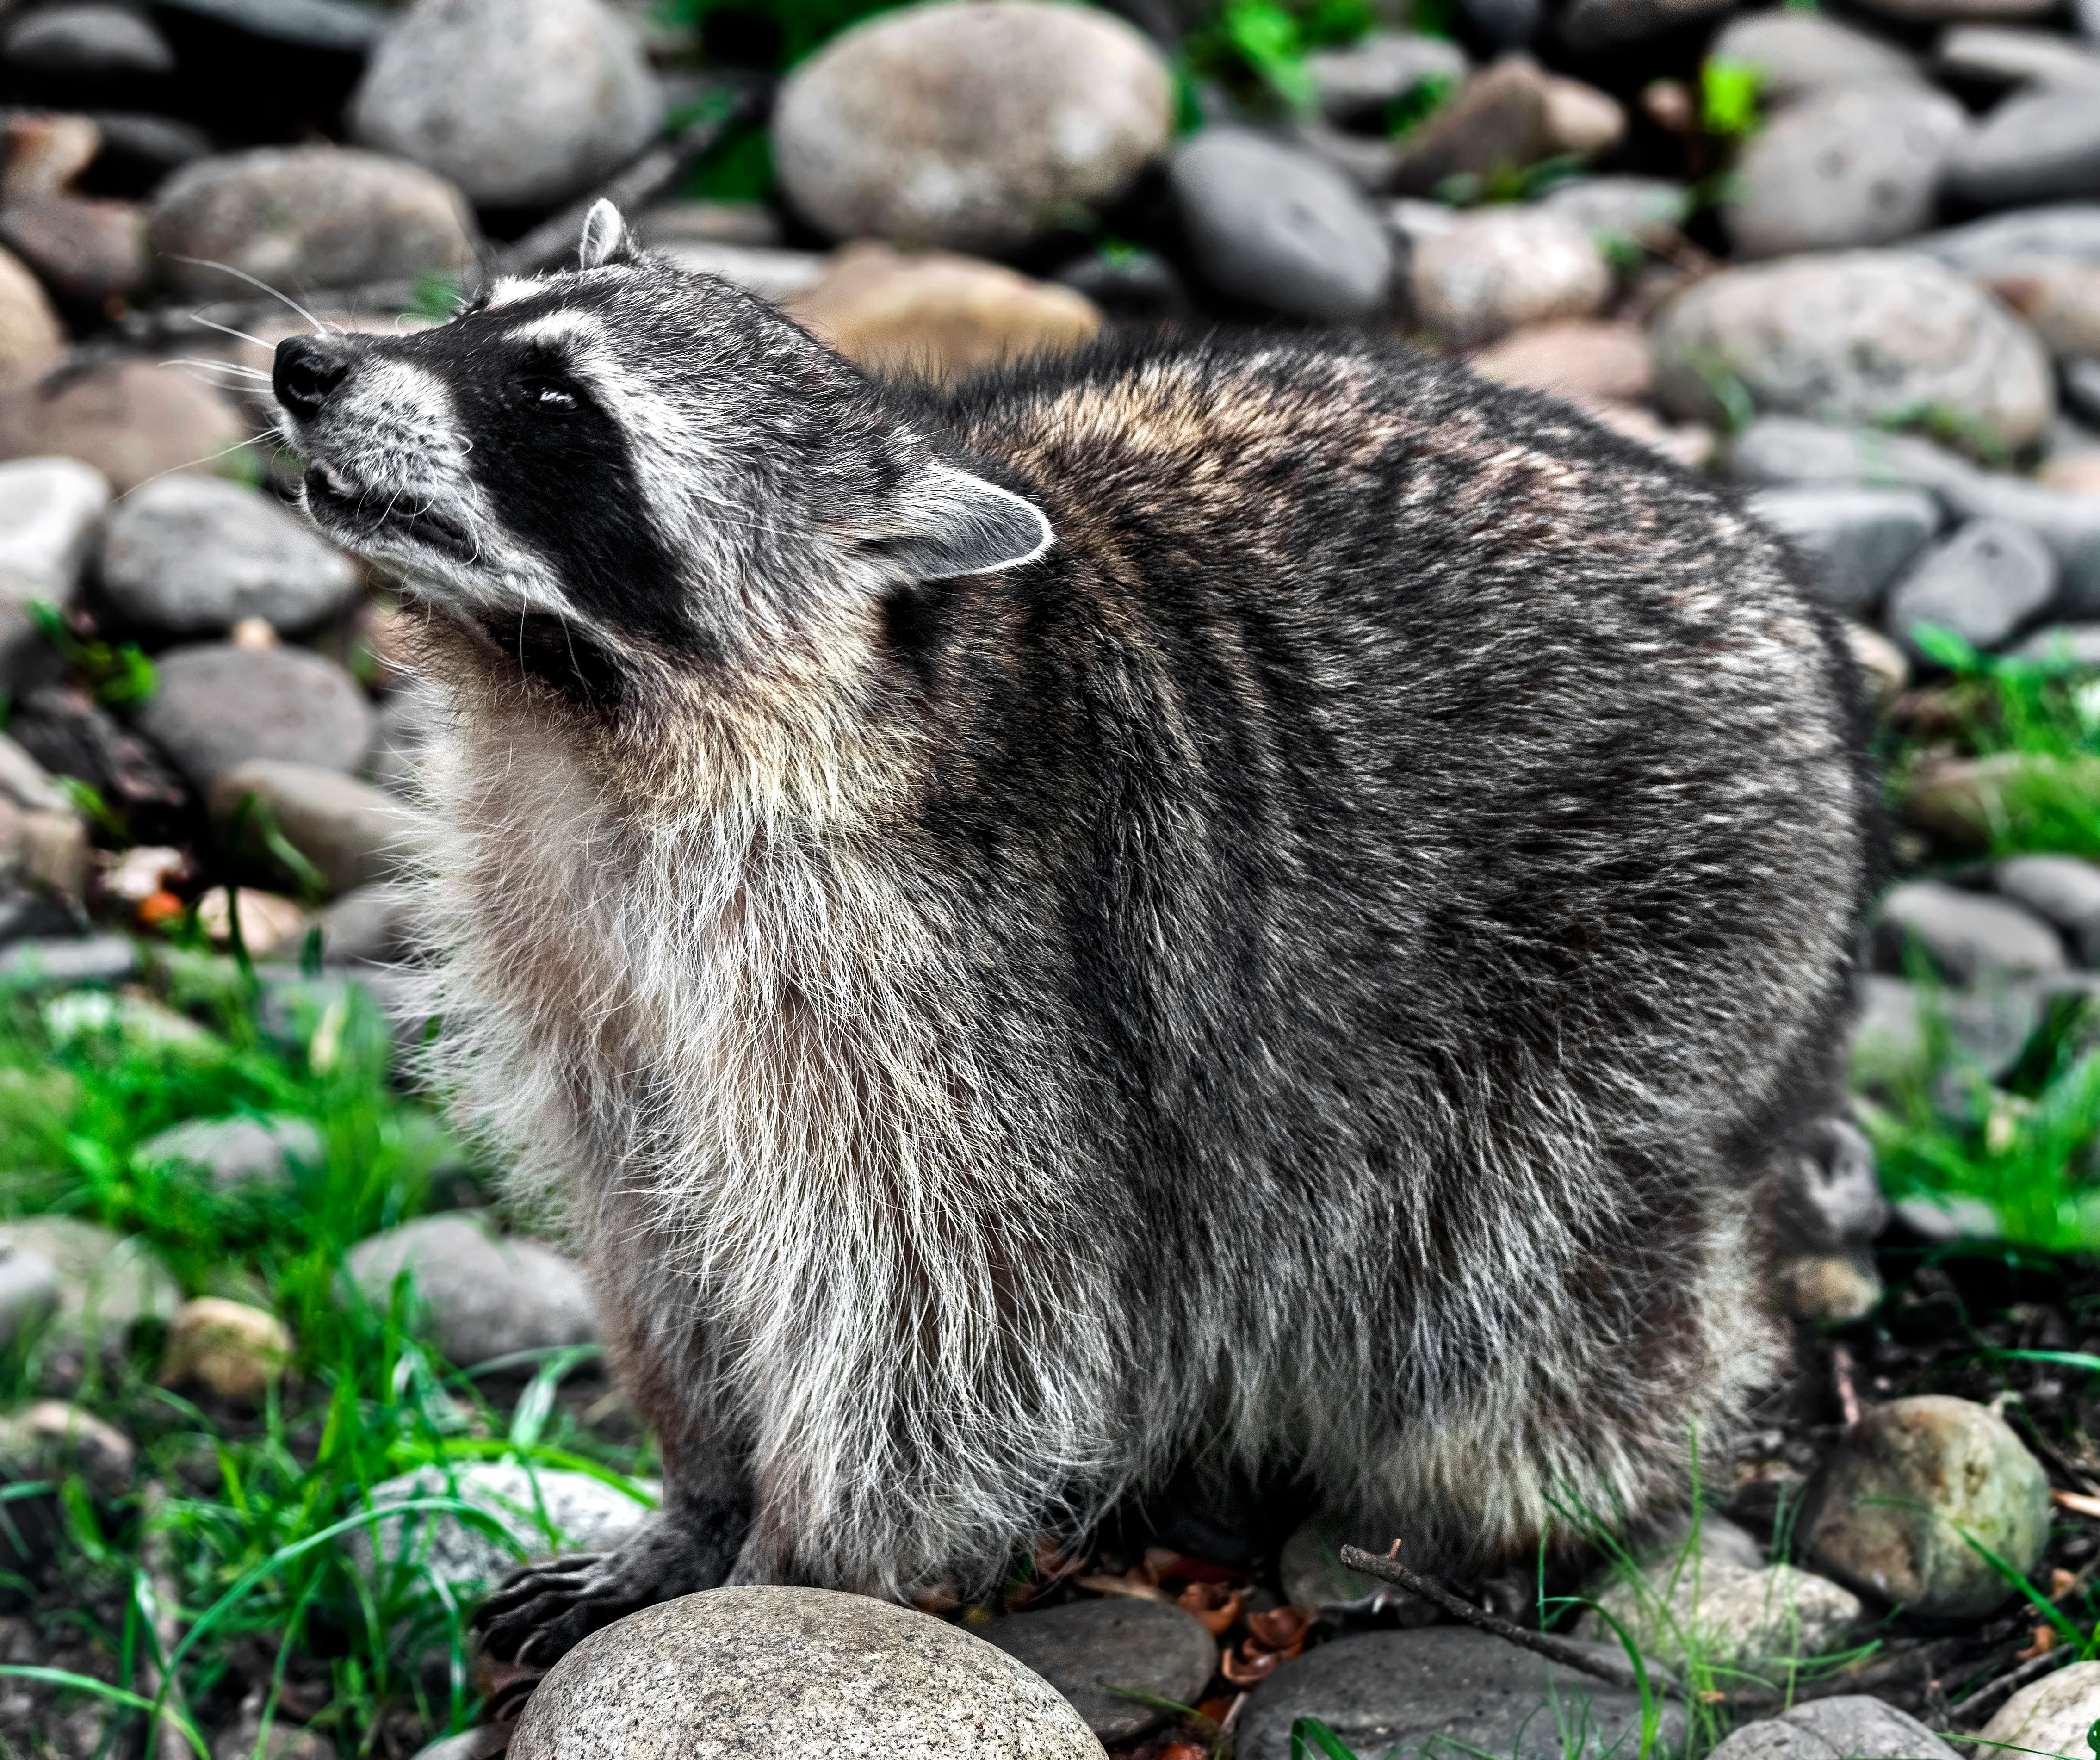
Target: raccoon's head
{"x": 625, "y": 467}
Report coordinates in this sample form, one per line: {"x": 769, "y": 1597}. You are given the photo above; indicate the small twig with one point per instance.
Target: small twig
{"x": 636, "y": 185}
{"x": 1841, "y": 1376}
{"x": 1554, "y": 1649}
{"x": 2011, "y": 1681}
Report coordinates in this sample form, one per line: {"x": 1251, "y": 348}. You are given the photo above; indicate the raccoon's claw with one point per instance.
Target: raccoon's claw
{"x": 543, "y": 1611}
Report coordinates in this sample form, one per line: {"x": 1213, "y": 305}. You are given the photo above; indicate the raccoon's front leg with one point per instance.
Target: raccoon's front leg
{"x": 541, "y": 1613}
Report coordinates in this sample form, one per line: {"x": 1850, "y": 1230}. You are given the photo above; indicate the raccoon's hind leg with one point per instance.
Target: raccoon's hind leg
{"x": 541, "y": 1613}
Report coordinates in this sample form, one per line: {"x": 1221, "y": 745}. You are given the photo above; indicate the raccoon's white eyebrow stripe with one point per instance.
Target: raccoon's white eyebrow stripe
{"x": 560, "y": 326}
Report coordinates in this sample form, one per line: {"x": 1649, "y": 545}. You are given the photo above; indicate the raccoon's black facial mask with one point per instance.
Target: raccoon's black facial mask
{"x": 627, "y": 459}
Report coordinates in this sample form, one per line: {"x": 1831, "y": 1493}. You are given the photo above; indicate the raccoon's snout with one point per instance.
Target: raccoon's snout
{"x": 304, "y": 372}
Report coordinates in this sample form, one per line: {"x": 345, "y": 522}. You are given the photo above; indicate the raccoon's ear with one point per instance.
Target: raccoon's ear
{"x": 950, "y": 523}
{"x": 607, "y": 240}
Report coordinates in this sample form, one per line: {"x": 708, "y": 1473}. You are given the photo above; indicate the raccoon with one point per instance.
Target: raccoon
{"x": 1248, "y": 906}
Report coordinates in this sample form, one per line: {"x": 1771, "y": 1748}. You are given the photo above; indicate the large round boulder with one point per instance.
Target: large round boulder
{"x": 972, "y": 124}
{"x": 784, "y": 1673}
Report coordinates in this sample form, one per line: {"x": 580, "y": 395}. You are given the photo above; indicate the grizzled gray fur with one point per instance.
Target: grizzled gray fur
{"x": 1252, "y": 906}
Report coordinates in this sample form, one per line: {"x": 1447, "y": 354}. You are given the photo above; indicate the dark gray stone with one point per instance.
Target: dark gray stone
{"x": 1146, "y": 1645}
{"x": 28, "y": 1290}
{"x": 1859, "y": 539}
{"x": 1852, "y": 1726}
{"x": 1447, "y": 1692}
{"x": 192, "y": 556}
{"x": 2006, "y": 55}
{"x": 87, "y": 42}
{"x": 1272, "y": 225}
{"x": 344, "y": 27}
{"x": 1988, "y": 580}
{"x": 1970, "y": 936}
{"x": 150, "y": 144}
{"x": 1507, "y": 24}
{"x": 353, "y": 834}
{"x": 777, "y": 1674}
{"x": 237, "y": 1151}
{"x": 1847, "y": 166}
{"x": 218, "y": 705}
{"x": 107, "y": 1283}
{"x": 1356, "y": 83}
{"x": 307, "y": 217}
{"x": 50, "y": 511}
{"x": 2064, "y": 232}
{"x": 2037, "y": 146}
{"x": 1797, "y": 53}
{"x": 1830, "y": 1198}
{"x": 1591, "y": 24}
{"x": 442, "y": 91}
{"x": 483, "y": 1295}
{"x": 2061, "y": 889}
{"x": 39, "y": 964}
{"x": 371, "y": 923}
{"x": 2080, "y": 379}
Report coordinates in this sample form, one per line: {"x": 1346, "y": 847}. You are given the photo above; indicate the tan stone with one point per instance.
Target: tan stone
{"x": 2050, "y": 1716}
{"x": 1578, "y": 358}
{"x": 131, "y": 420}
{"x": 938, "y": 316}
{"x": 2077, "y": 472}
{"x": 1498, "y": 121}
{"x": 32, "y": 339}
{"x": 1580, "y": 119}
{"x": 2059, "y": 300}
{"x": 267, "y": 919}
{"x": 1957, "y": 799}
{"x": 1829, "y": 1286}
{"x": 1886, "y": 666}
{"x": 230, "y": 1349}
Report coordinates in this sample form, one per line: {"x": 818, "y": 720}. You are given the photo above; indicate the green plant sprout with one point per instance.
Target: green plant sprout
{"x": 1728, "y": 97}
{"x": 119, "y": 675}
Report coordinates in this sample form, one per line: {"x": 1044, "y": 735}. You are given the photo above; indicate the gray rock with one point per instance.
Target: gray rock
{"x": 1507, "y": 24}
{"x": 1857, "y": 540}
{"x": 51, "y": 1438}
{"x": 1971, "y": 937}
{"x": 1942, "y": 12}
{"x": 307, "y": 217}
{"x": 218, "y": 706}
{"x": 1269, "y": 224}
{"x": 482, "y": 1295}
{"x": 787, "y": 1673}
{"x": 157, "y": 144}
{"x": 1987, "y": 1029}
{"x": 2081, "y": 386}
{"x": 1893, "y": 1507}
{"x": 1497, "y": 269}
{"x": 1852, "y": 1726}
{"x": 50, "y": 511}
{"x": 1355, "y": 84}
{"x": 1741, "y": 1617}
{"x": 1445, "y": 1691}
{"x": 1720, "y": 1540}
{"x": 1620, "y": 206}
{"x": 1783, "y": 450}
{"x": 444, "y": 90}
{"x": 1145, "y": 1646}
{"x": 1942, "y": 1218}
{"x": 108, "y": 43}
{"x": 581, "y": 1514}
{"x": 346, "y": 27}
{"x": 1798, "y": 53}
{"x": 1592, "y": 24}
{"x": 355, "y": 834}
{"x": 192, "y": 556}
{"x": 976, "y": 126}
{"x": 1311, "y": 1570}
{"x": 2062, "y": 890}
{"x": 1985, "y": 53}
{"x": 106, "y": 1284}
{"x": 237, "y": 1151}
{"x": 370, "y": 923}
{"x": 2065, "y": 232}
{"x": 2070, "y": 644}
{"x": 1988, "y": 580}
{"x": 28, "y": 1291}
{"x": 46, "y": 964}
{"x": 2036, "y": 145}
{"x": 774, "y": 275}
{"x": 1857, "y": 336}
{"x": 2050, "y": 1716}
{"x": 1848, "y": 165}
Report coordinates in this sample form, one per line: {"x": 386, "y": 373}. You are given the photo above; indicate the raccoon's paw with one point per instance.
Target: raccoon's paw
{"x": 541, "y": 1613}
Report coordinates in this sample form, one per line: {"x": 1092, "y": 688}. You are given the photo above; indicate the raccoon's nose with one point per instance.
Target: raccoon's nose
{"x": 304, "y": 373}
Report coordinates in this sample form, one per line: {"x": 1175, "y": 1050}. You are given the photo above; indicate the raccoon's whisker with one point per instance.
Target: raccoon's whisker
{"x": 189, "y": 464}
{"x": 258, "y": 282}
{"x": 227, "y": 329}
{"x": 217, "y": 366}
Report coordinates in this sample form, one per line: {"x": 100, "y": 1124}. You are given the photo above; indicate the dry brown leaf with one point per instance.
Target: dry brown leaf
{"x": 1138, "y": 1588}
{"x": 1280, "y": 1628}
{"x": 1246, "y": 1667}
{"x": 1215, "y": 1605}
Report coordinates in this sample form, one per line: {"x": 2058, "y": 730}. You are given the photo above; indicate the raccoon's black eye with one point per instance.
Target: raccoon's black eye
{"x": 554, "y": 397}
{"x": 549, "y": 396}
